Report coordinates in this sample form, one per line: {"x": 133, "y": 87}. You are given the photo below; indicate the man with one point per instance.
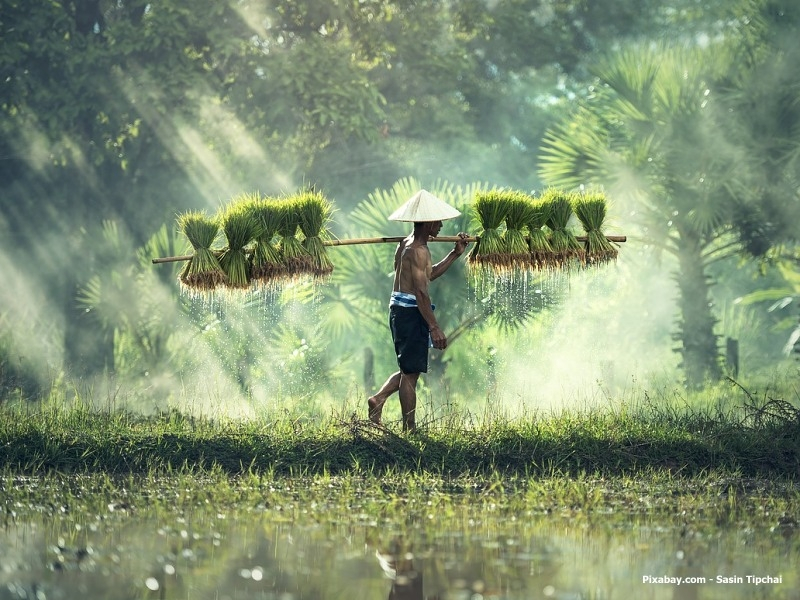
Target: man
{"x": 411, "y": 315}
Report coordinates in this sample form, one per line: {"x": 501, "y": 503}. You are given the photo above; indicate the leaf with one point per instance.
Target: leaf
{"x": 792, "y": 341}
{"x": 763, "y": 296}
{"x": 781, "y": 304}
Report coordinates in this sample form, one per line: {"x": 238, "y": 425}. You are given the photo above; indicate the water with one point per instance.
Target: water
{"x": 441, "y": 550}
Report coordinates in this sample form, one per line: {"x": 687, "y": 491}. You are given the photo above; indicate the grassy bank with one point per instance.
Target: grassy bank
{"x": 751, "y": 441}
{"x": 394, "y": 497}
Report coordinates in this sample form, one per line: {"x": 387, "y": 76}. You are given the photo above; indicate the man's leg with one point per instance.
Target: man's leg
{"x": 377, "y": 401}
{"x": 408, "y": 400}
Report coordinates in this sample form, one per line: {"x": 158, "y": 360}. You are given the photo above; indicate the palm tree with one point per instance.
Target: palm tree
{"x": 128, "y": 301}
{"x": 762, "y": 87}
{"x": 649, "y": 133}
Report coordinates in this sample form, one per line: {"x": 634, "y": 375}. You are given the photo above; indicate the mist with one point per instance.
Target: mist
{"x": 84, "y": 311}
{"x": 607, "y": 339}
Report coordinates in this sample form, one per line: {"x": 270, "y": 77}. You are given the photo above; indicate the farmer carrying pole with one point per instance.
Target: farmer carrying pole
{"x": 411, "y": 320}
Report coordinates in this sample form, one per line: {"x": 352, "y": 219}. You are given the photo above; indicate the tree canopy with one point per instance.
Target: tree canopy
{"x": 129, "y": 111}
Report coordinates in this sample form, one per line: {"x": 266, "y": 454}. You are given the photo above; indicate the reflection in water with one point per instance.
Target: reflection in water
{"x": 258, "y": 554}
{"x": 398, "y": 564}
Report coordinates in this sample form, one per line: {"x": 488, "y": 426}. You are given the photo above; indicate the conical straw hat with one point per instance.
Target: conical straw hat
{"x": 424, "y": 206}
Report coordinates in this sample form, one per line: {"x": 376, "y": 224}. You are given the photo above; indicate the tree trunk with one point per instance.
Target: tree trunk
{"x": 369, "y": 369}
{"x": 435, "y": 379}
{"x": 699, "y": 344}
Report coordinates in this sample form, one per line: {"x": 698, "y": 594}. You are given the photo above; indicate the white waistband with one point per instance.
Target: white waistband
{"x": 403, "y": 299}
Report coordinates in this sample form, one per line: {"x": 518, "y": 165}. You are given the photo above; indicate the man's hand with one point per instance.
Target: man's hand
{"x": 461, "y": 245}
{"x": 438, "y": 338}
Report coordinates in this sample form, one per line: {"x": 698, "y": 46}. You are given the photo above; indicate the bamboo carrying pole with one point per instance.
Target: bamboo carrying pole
{"x": 383, "y": 240}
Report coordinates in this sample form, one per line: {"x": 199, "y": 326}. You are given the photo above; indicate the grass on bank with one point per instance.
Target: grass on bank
{"x": 756, "y": 439}
{"x": 395, "y": 496}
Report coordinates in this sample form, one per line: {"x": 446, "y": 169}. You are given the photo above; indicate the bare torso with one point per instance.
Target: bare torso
{"x": 410, "y": 254}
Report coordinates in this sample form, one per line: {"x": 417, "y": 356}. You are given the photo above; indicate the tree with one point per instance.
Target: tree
{"x": 131, "y": 111}
{"x": 760, "y": 91}
{"x": 650, "y": 135}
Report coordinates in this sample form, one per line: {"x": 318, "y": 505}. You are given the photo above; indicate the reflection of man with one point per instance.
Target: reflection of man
{"x": 411, "y": 319}
{"x": 406, "y": 579}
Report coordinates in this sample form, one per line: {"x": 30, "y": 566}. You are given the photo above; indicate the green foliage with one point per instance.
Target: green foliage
{"x": 647, "y": 136}
{"x": 780, "y": 299}
{"x": 18, "y": 378}
{"x": 514, "y": 243}
{"x": 536, "y": 218}
{"x": 267, "y": 266}
{"x": 132, "y": 112}
{"x": 316, "y": 212}
{"x": 756, "y": 438}
{"x": 490, "y": 209}
{"x": 236, "y": 221}
{"x": 590, "y": 209}
{"x": 565, "y": 246}
{"x": 294, "y": 257}
{"x": 203, "y": 271}
{"x": 128, "y": 303}
{"x": 303, "y": 364}
{"x": 761, "y": 95}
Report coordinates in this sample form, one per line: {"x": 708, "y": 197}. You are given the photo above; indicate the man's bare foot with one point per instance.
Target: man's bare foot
{"x": 375, "y": 409}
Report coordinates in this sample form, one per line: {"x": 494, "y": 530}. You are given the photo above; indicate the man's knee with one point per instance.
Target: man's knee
{"x": 410, "y": 377}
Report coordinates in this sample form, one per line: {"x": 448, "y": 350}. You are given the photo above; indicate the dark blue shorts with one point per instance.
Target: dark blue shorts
{"x": 411, "y": 336}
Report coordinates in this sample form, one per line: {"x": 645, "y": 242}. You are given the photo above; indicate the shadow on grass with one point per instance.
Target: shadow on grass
{"x": 605, "y": 445}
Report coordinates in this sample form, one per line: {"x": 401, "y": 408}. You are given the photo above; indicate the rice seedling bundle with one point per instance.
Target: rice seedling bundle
{"x": 541, "y": 252}
{"x": 294, "y": 257}
{"x": 490, "y": 207}
{"x": 203, "y": 271}
{"x": 315, "y": 215}
{"x": 590, "y": 208}
{"x": 240, "y": 230}
{"x": 266, "y": 262}
{"x": 515, "y": 246}
{"x": 565, "y": 245}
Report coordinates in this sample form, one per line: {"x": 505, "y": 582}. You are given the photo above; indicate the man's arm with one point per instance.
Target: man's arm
{"x": 444, "y": 264}
{"x": 419, "y": 278}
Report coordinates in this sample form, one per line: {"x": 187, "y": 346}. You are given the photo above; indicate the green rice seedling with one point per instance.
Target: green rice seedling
{"x": 240, "y": 230}
{"x": 566, "y": 247}
{"x": 203, "y": 272}
{"x": 294, "y": 257}
{"x": 515, "y": 246}
{"x": 590, "y": 208}
{"x": 315, "y": 215}
{"x": 266, "y": 263}
{"x": 490, "y": 208}
{"x": 541, "y": 252}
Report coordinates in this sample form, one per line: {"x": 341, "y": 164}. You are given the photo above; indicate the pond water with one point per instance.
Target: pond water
{"x": 446, "y": 551}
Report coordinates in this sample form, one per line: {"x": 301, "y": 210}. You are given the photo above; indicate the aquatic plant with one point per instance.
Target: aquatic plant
{"x": 490, "y": 208}
{"x": 590, "y": 209}
{"x": 266, "y": 262}
{"x": 203, "y": 271}
{"x": 566, "y": 247}
{"x": 315, "y": 216}
{"x": 294, "y": 257}
{"x": 515, "y": 247}
{"x": 541, "y": 252}
{"x": 240, "y": 230}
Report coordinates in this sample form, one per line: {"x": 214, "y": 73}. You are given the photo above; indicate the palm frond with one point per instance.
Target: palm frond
{"x": 370, "y": 216}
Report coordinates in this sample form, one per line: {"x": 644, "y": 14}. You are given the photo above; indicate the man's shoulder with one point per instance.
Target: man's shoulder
{"x": 417, "y": 251}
